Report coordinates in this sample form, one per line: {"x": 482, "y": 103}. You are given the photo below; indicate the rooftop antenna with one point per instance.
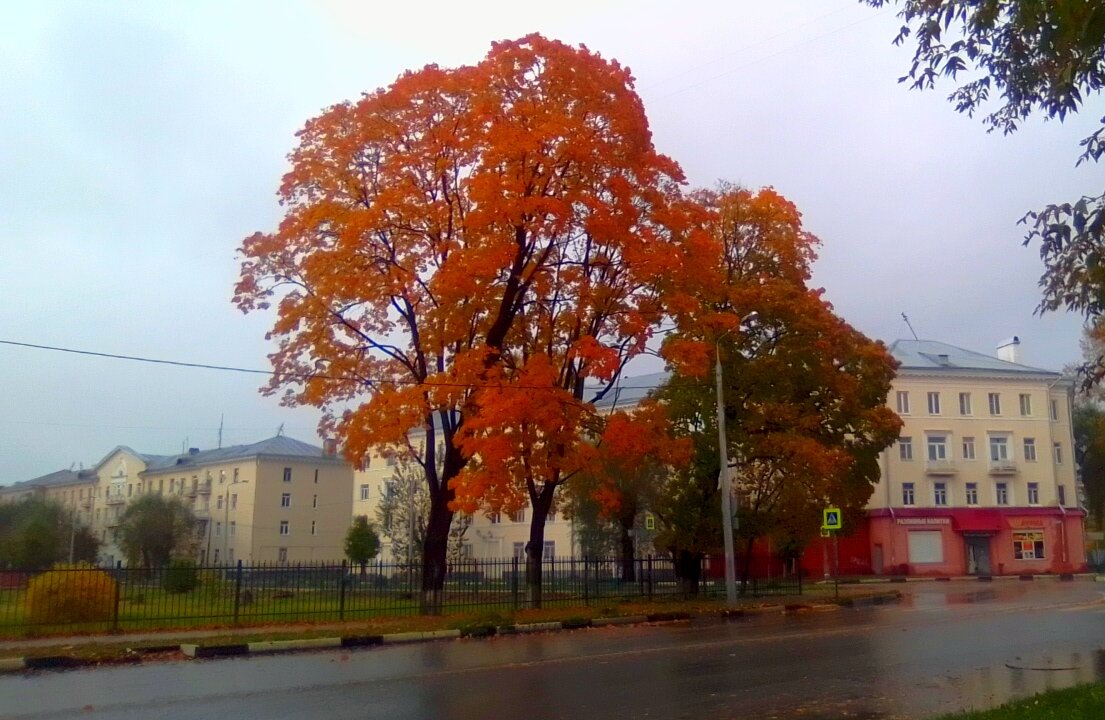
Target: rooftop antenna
{"x": 221, "y": 416}
{"x": 280, "y": 430}
{"x": 910, "y": 326}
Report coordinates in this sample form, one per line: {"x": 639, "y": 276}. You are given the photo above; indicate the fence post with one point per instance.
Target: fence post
{"x": 237, "y": 591}
{"x": 650, "y": 576}
{"x": 115, "y": 613}
{"x": 341, "y": 592}
{"x": 514, "y": 581}
{"x": 799, "y": 580}
{"x": 586, "y": 591}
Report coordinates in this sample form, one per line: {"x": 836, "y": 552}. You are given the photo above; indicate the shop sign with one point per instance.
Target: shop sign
{"x": 1025, "y": 522}
{"x": 925, "y": 521}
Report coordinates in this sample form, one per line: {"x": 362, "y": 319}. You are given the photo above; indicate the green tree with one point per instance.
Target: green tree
{"x": 362, "y": 544}
{"x": 1089, "y": 452}
{"x": 404, "y": 510}
{"x": 155, "y": 528}
{"x": 1026, "y": 57}
{"x": 36, "y": 533}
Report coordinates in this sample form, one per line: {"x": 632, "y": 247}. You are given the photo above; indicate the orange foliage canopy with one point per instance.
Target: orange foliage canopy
{"x": 474, "y": 252}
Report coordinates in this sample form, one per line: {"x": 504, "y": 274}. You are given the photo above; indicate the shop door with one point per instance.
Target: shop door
{"x": 877, "y": 560}
{"x": 978, "y": 554}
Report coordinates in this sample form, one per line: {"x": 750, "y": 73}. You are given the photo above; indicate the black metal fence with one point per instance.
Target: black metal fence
{"x": 74, "y": 599}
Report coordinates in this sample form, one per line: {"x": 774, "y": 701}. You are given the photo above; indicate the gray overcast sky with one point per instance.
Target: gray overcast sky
{"x": 140, "y": 142}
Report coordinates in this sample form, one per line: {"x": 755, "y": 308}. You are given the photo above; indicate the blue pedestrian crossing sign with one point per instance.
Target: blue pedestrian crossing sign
{"x": 831, "y": 519}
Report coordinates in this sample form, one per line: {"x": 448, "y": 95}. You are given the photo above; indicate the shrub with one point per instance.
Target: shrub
{"x": 71, "y": 594}
{"x": 180, "y": 576}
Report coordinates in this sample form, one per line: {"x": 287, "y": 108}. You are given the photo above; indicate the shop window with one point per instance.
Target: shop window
{"x": 1028, "y": 544}
{"x": 926, "y": 546}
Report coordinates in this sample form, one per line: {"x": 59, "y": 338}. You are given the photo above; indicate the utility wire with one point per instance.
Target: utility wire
{"x": 273, "y": 373}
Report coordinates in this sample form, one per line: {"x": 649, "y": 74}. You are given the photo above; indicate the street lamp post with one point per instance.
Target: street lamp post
{"x": 725, "y": 481}
{"x": 725, "y": 485}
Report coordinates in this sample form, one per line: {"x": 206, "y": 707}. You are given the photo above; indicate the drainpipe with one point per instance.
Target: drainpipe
{"x": 889, "y": 506}
{"x": 1063, "y": 535}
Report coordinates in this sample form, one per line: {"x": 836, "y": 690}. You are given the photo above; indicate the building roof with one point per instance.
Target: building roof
{"x": 58, "y": 478}
{"x": 278, "y": 446}
{"x": 934, "y": 355}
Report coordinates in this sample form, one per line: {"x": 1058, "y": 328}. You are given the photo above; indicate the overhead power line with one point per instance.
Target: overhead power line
{"x": 274, "y": 373}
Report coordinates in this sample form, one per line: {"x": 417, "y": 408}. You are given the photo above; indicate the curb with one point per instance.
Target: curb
{"x": 12, "y": 665}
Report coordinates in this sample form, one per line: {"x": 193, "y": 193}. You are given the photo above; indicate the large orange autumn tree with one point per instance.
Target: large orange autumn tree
{"x": 804, "y": 392}
{"x": 471, "y": 255}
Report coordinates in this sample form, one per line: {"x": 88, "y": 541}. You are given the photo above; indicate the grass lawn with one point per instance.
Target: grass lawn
{"x": 1085, "y": 702}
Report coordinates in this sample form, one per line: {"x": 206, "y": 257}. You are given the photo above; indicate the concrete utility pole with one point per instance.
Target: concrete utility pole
{"x": 725, "y": 481}
{"x": 72, "y": 532}
{"x": 726, "y": 487}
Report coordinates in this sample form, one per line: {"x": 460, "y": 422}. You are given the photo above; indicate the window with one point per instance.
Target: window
{"x": 235, "y": 475}
{"x": 1026, "y": 404}
{"x": 218, "y": 529}
{"x": 364, "y": 492}
{"x": 233, "y": 501}
{"x": 548, "y": 552}
{"x": 964, "y": 403}
{"x": 1028, "y": 544}
{"x": 940, "y": 493}
{"x": 934, "y": 403}
{"x": 999, "y": 448}
{"x": 903, "y": 402}
{"x": 520, "y": 550}
{"x": 518, "y": 516}
{"x": 287, "y": 474}
{"x": 1062, "y": 494}
{"x": 232, "y": 528}
{"x": 972, "y": 493}
{"x": 968, "y": 448}
{"x": 284, "y": 529}
{"x": 282, "y": 555}
{"x": 995, "y": 403}
{"x": 222, "y": 476}
{"x": 907, "y": 493}
{"x": 219, "y": 503}
{"x": 312, "y": 527}
{"x": 495, "y": 518}
{"x": 926, "y": 546}
{"x": 391, "y": 461}
{"x": 905, "y": 448}
{"x": 1001, "y": 492}
{"x": 937, "y": 448}
{"x": 1033, "y": 493}
{"x": 1058, "y": 453}
{"x": 216, "y": 556}
{"x": 286, "y": 500}
{"x": 1030, "y": 450}
{"x": 466, "y": 551}
{"x": 230, "y": 555}
{"x": 314, "y": 500}
{"x": 1054, "y": 410}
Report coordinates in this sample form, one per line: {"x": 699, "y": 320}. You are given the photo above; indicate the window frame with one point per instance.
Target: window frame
{"x": 933, "y": 399}
{"x": 993, "y": 401}
{"x": 965, "y": 404}
{"x": 1029, "y": 545}
{"x": 902, "y": 400}
{"x": 905, "y": 449}
{"x": 1033, "y": 493}
{"x": 909, "y": 494}
{"x": 940, "y": 494}
{"x": 1029, "y": 448}
{"x": 285, "y": 528}
{"x": 1001, "y": 494}
{"x": 971, "y": 491}
{"x": 968, "y": 442}
{"x": 1024, "y": 401}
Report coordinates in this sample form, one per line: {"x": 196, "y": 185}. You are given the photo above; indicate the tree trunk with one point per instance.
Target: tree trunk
{"x": 435, "y": 552}
{"x": 629, "y": 573}
{"x": 541, "y": 503}
{"x": 688, "y": 568}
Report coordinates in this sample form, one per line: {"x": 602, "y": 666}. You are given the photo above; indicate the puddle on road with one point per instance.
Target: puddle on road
{"x": 1020, "y": 677}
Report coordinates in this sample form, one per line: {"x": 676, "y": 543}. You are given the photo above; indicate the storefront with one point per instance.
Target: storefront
{"x": 975, "y": 541}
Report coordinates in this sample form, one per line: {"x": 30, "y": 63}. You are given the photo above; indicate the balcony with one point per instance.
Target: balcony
{"x": 115, "y": 499}
{"x": 1003, "y": 467}
{"x": 204, "y": 488}
{"x": 940, "y": 467}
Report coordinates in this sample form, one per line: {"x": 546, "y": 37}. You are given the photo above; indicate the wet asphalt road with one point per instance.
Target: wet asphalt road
{"x": 946, "y": 647}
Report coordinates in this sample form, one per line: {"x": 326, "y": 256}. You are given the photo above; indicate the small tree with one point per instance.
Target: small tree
{"x": 154, "y": 529}
{"x": 362, "y": 544}
{"x": 403, "y": 513}
{"x": 36, "y": 533}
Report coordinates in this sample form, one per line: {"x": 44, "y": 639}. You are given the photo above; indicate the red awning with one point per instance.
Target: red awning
{"x": 978, "y": 521}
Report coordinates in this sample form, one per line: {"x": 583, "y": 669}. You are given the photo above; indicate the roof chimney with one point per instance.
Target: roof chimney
{"x": 330, "y": 447}
{"x": 1010, "y": 350}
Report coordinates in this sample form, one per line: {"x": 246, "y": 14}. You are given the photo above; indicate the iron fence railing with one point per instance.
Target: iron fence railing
{"x": 73, "y": 599}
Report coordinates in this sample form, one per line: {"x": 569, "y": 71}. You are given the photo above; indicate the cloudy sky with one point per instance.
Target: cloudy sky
{"x": 140, "y": 142}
